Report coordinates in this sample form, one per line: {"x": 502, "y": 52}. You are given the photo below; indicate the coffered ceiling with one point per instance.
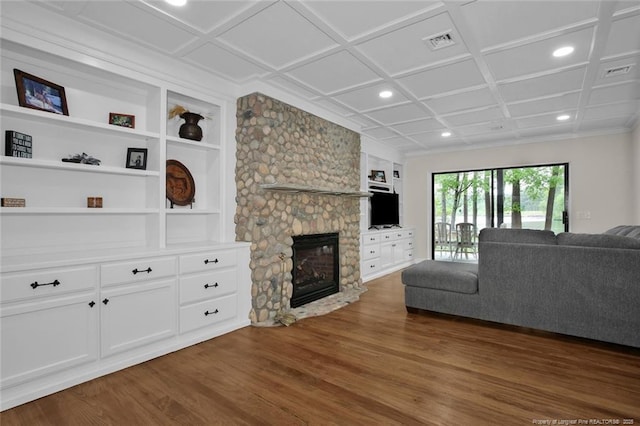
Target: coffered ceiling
{"x": 495, "y": 81}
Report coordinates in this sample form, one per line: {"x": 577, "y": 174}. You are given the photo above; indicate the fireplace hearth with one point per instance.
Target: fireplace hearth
{"x": 315, "y": 267}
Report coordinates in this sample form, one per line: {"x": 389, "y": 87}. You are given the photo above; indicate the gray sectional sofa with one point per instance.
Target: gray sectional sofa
{"x": 585, "y": 285}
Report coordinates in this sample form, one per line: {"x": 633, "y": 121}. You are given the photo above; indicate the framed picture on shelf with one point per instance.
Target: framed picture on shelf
{"x": 137, "y": 158}
{"x": 378, "y": 176}
{"x": 396, "y": 174}
{"x": 37, "y": 93}
{"x": 123, "y": 120}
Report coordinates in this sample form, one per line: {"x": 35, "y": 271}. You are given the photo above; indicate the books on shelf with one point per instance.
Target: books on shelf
{"x": 18, "y": 144}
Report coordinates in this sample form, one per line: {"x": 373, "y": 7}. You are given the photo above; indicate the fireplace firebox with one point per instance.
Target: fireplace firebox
{"x": 315, "y": 267}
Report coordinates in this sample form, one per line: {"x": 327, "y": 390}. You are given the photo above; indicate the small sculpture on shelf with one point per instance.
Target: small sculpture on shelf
{"x": 83, "y": 158}
{"x": 189, "y": 129}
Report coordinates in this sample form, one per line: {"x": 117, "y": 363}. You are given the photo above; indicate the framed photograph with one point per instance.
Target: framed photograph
{"x": 137, "y": 158}
{"x": 378, "y": 176}
{"x": 124, "y": 120}
{"x": 396, "y": 174}
{"x": 37, "y": 93}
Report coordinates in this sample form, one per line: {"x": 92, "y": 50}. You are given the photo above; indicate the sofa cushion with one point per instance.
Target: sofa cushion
{"x": 632, "y": 231}
{"x": 520, "y": 236}
{"x": 598, "y": 240}
{"x": 450, "y": 276}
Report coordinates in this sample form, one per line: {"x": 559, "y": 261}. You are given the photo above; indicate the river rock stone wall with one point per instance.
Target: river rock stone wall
{"x": 278, "y": 143}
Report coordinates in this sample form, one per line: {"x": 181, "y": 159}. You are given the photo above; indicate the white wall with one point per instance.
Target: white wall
{"x": 636, "y": 171}
{"x": 600, "y": 179}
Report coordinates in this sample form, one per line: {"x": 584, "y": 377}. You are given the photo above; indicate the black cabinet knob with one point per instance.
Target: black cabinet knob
{"x": 105, "y": 301}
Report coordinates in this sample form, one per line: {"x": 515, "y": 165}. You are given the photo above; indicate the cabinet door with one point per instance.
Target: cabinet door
{"x": 136, "y": 315}
{"x": 386, "y": 255}
{"x": 398, "y": 252}
{"x": 50, "y": 336}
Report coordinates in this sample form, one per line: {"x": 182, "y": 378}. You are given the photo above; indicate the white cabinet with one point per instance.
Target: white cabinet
{"x": 73, "y": 322}
{"x": 207, "y": 298}
{"x": 136, "y": 315}
{"x": 55, "y": 334}
{"x": 49, "y": 321}
{"x": 385, "y": 251}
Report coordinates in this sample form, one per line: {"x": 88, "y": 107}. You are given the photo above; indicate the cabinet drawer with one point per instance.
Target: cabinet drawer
{"x": 207, "y": 261}
{"x": 408, "y": 255}
{"x": 138, "y": 270}
{"x": 207, "y": 285}
{"x": 207, "y": 313}
{"x": 50, "y": 282}
{"x": 370, "y": 239}
{"x": 370, "y": 267}
{"x": 399, "y": 234}
{"x": 390, "y": 236}
{"x": 370, "y": 252}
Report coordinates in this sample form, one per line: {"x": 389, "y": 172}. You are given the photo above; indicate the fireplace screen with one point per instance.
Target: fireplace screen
{"x": 315, "y": 267}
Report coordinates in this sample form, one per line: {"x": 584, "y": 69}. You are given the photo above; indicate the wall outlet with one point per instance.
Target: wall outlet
{"x": 584, "y": 215}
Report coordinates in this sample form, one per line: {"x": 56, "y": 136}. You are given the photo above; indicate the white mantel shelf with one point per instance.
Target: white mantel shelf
{"x": 302, "y": 188}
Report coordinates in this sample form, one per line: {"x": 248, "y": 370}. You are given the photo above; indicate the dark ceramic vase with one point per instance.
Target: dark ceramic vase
{"x": 190, "y": 129}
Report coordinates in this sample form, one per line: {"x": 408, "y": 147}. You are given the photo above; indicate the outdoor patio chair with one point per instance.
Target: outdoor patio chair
{"x": 466, "y": 240}
{"x": 443, "y": 237}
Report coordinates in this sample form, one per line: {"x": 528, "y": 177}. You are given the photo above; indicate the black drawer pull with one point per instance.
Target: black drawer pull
{"x": 148, "y": 270}
{"x": 209, "y": 285}
{"x": 92, "y": 304}
{"x": 35, "y": 284}
{"x": 105, "y": 301}
{"x": 207, "y": 261}
{"x": 207, "y": 313}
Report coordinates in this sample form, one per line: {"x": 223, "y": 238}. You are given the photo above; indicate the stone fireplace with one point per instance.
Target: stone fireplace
{"x": 278, "y": 144}
{"x": 315, "y": 272}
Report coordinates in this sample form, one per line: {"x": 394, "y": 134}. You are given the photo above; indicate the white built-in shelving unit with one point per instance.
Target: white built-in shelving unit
{"x": 87, "y": 291}
{"x": 383, "y": 250}
{"x": 135, "y": 211}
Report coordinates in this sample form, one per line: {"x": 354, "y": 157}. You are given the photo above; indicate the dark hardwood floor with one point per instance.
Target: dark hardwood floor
{"x": 370, "y": 363}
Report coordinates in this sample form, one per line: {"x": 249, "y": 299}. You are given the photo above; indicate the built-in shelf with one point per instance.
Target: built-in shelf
{"x": 192, "y": 144}
{"x": 188, "y": 211}
{"x": 73, "y": 122}
{"x": 74, "y": 211}
{"x": 302, "y": 188}
{"x": 76, "y": 167}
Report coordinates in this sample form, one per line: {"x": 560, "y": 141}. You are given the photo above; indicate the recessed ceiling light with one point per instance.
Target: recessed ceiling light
{"x": 176, "y": 2}
{"x": 563, "y": 51}
{"x": 385, "y": 94}
{"x": 446, "y": 134}
{"x": 563, "y": 117}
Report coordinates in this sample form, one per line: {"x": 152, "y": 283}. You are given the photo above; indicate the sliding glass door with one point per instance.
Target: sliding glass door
{"x": 464, "y": 202}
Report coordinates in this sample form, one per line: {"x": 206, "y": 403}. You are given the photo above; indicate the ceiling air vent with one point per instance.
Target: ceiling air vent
{"x": 440, "y": 40}
{"x": 613, "y": 72}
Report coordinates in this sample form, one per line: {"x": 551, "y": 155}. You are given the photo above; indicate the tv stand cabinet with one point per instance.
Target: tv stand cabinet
{"x": 385, "y": 251}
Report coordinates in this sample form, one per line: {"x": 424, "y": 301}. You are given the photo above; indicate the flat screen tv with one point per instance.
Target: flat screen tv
{"x": 385, "y": 209}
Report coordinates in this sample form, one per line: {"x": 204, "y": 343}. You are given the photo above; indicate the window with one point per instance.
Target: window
{"x": 532, "y": 197}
